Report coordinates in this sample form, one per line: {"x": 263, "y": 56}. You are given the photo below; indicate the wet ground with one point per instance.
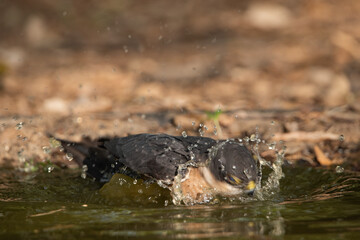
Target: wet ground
{"x": 286, "y": 70}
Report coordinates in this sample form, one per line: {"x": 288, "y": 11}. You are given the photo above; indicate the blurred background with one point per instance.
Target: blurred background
{"x": 105, "y": 68}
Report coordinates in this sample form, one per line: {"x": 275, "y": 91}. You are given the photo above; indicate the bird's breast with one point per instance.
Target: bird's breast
{"x": 200, "y": 186}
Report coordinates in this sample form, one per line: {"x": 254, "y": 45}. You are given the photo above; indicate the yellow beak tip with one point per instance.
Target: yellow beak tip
{"x": 251, "y": 185}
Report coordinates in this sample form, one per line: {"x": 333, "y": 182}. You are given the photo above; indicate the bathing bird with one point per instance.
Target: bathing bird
{"x": 197, "y": 168}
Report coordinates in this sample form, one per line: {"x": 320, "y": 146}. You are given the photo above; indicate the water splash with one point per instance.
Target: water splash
{"x": 272, "y": 185}
{"x": 266, "y": 189}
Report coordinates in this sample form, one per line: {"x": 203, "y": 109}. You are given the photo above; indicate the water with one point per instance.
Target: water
{"x": 309, "y": 204}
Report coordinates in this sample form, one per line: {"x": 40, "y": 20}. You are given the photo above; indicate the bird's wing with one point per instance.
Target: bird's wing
{"x": 156, "y": 156}
{"x": 199, "y": 146}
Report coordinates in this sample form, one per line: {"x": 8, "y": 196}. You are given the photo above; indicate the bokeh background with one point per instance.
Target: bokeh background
{"x": 288, "y": 69}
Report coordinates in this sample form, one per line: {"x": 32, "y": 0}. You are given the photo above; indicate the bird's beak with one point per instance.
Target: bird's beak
{"x": 250, "y": 188}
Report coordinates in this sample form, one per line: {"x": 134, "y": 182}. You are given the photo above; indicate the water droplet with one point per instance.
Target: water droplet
{"x": 341, "y": 138}
{"x": 69, "y": 156}
{"x": 140, "y": 191}
{"x": 126, "y": 50}
{"x": 272, "y": 146}
{"x": 272, "y": 123}
{"x": 193, "y": 123}
{"x": 215, "y": 132}
{"x": 19, "y": 125}
{"x": 135, "y": 181}
{"x": 253, "y": 137}
{"x": 201, "y": 132}
{"x": 46, "y": 149}
{"x": 50, "y": 168}
{"x": 233, "y": 167}
{"x": 184, "y": 134}
{"x": 166, "y": 203}
{"x": 339, "y": 169}
{"x": 192, "y": 155}
{"x": 61, "y": 148}
{"x": 122, "y": 181}
{"x": 84, "y": 170}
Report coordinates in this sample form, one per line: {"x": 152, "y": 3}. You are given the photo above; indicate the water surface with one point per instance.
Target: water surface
{"x": 310, "y": 204}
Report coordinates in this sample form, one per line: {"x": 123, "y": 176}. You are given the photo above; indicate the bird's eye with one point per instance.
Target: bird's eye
{"x": 234, "y": 180}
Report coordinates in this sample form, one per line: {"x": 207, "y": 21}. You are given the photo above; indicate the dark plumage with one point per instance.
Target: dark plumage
{"x": 163, "y": 157}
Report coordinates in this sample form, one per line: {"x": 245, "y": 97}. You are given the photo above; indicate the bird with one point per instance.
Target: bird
{"x": 194, "y": 169}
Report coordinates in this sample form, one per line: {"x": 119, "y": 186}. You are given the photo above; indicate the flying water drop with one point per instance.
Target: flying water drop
{"x": 339, "y": 169}
{"x": 69, "y": 156}
{"x": 341, "y": 138}
{"x": 184, "y": 134}
{"x": 19, "y": 125}
{"x": 46, "y": 149}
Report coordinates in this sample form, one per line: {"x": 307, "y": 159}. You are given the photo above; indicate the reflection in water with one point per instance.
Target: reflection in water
{"x": 225, "y": 221}
{"x": 229, "y": 220}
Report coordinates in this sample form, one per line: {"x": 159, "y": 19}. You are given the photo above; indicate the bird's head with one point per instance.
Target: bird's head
{"x": 231, "y": 162}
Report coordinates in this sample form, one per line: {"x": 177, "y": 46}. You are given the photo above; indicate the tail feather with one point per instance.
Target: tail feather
{"x": 100, "y": 164}
{"x": 79, "y": 151}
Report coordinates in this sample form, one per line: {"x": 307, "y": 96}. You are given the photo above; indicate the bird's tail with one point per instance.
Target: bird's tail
{"x": 79, "y": 151}
{"x": 92, "y": 156}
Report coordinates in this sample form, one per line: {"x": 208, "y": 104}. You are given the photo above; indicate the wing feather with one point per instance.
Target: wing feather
{"x": 157, "y": 156}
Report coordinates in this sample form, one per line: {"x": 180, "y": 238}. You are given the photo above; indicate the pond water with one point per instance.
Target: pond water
{"x": 310, "y": 204}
